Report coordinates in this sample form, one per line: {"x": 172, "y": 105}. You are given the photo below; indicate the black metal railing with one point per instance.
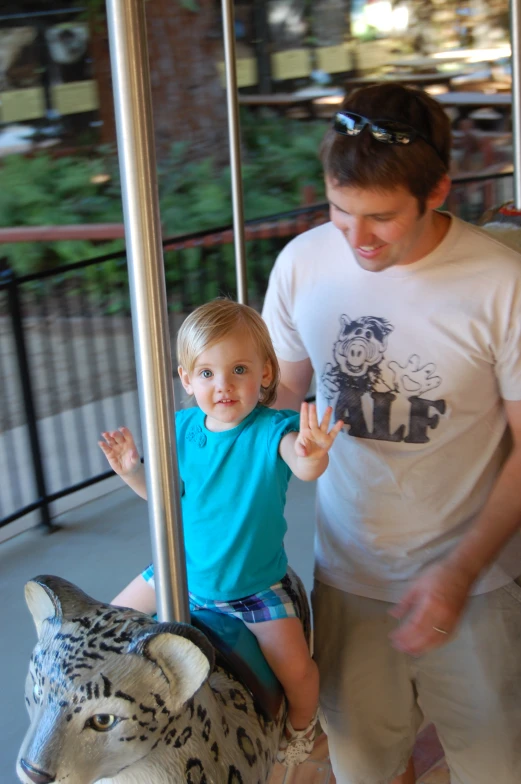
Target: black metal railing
{"x": 67, "y": 359}
{"x": 66, "y": 350}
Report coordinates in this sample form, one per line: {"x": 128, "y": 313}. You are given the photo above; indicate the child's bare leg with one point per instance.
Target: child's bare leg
{"x": 286, "y": 650}
{"x": 138, "y": 595}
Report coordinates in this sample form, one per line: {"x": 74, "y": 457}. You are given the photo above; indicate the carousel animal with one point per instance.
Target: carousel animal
{"x": 117, "y": 698}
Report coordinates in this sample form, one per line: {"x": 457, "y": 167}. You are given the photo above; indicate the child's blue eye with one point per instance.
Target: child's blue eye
{"x": 206, "y": 373}
{"x": 240, "y": 369}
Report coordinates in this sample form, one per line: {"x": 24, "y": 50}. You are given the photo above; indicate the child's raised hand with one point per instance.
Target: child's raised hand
{"x": 120, "y": 450}
{"x": 315, "y": 440}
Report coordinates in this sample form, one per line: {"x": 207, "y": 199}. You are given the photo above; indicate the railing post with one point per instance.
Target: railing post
{"x": 262, "y": 45}
{"x": 15, "y": 313}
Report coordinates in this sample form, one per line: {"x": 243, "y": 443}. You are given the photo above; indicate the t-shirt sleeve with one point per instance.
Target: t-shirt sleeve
{"x": 282, "y": 423}
{"x": 508, "y": 361}
{"x": 277, "y": 310}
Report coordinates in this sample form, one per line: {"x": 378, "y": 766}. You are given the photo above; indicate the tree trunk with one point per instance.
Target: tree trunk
{"x": 99, "y": 48}
{"x": 187, "y": 96}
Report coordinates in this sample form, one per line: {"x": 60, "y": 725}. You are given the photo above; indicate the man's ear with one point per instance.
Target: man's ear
{"x": 439, "y": 193}
{"x": 185, "y": 380}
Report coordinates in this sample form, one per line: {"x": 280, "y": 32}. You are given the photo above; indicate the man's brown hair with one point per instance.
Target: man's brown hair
{"x": 363, "y": 162}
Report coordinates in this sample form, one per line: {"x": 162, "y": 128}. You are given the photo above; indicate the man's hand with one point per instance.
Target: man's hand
{"x": 120, "y": 450}
{"x": 315, "y": 440}
{"x": 431, "y": 609}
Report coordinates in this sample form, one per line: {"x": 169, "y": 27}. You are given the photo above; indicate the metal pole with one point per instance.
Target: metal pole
{"x": 515, "y": 36}
{"x": 132, "y": 98}
{"x": 234, "y": 134}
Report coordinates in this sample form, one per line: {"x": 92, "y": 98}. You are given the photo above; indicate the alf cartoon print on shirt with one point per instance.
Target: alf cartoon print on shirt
{"x": 359, "y": 374}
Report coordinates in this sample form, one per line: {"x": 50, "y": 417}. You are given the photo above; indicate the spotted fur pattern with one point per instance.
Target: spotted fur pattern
{"x": 116, "y": 698}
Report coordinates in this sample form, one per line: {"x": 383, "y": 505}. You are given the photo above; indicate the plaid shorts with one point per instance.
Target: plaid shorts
{"x": 277, "y": 601}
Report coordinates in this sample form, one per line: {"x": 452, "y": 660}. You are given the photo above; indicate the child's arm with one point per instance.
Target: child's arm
{"x": 138, "y": 595}
{"x": 120, "y": 450}
{"x": 306, "y": 452}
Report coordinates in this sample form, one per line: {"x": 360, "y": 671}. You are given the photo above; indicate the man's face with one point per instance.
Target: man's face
{"x": 385, "y": 228}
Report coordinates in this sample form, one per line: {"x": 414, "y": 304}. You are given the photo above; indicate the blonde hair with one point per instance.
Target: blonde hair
{"x": 210, "y": 323}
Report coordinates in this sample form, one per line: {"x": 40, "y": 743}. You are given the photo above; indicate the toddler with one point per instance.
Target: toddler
{"x": 236, "y": 456}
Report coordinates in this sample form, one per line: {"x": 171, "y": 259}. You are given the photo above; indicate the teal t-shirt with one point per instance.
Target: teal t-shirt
{"x": 235, "y": 485}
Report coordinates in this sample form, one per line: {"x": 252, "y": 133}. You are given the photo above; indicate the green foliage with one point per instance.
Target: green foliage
{"x": 190, "y": 5}
{"x": 279, "y": 159}
{"x": 42, "y": 191}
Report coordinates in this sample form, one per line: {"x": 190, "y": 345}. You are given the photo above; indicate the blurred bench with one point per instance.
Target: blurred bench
{"x": 293, "y": 104}
{"x": 408, "y": 78}
{"x": 465, "y": 102}
{"x": 475, "y": 100}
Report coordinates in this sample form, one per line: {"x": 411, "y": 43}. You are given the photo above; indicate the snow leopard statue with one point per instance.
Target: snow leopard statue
{"x": 117, "y": 698}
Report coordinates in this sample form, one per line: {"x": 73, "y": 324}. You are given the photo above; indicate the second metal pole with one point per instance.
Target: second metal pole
{"x": 515, "y": 59}
{"x": 234, "y": 134}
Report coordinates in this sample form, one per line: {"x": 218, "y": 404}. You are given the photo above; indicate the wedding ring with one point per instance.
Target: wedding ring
{"x": 440, "y": 631}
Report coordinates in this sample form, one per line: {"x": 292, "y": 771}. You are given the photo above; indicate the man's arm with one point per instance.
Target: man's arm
{"x": 438, "y": 597}
{"x": 295, "y": 380}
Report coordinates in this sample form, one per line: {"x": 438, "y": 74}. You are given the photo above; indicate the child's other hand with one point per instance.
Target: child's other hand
{"x": 120, "y": 450}
{"x": 314, "y": 440}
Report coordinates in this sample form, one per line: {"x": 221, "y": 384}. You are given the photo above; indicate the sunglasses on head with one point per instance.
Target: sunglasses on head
{"x": 385, "y": 131}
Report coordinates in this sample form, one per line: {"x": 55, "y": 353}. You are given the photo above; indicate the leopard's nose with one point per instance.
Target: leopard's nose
{"x": 38, "y": 776}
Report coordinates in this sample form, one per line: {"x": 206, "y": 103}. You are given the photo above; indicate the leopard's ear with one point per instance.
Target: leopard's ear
{"x": 52, "y": 598}
{"x": 183, "y": 653}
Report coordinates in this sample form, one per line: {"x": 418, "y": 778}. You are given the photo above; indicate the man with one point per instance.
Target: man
{"x": 411, "y": 321}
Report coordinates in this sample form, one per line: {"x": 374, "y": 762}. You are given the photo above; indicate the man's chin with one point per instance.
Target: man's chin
{"x": 375, "y": 264}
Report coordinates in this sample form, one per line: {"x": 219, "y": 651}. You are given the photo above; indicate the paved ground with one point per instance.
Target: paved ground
{"x": 101, "y": 546}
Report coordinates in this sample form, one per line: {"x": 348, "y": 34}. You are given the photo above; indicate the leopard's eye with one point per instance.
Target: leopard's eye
{"x": 102, "y": 722}
{"x": 37, "y": 692}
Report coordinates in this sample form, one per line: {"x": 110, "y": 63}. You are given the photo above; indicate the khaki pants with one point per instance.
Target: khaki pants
{"x": 374, "y": 698}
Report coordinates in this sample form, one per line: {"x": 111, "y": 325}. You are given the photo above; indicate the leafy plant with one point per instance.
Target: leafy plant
{"x": 279, "y": 159}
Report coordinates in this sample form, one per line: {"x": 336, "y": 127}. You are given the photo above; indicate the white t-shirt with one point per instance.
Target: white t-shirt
{"x": 416, "y": 360}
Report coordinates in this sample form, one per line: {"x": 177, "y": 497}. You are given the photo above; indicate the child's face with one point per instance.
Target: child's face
{"x": 226, "y": 380}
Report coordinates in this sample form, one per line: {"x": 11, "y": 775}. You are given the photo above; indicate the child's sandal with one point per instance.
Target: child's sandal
{"x": 297, "y": 745}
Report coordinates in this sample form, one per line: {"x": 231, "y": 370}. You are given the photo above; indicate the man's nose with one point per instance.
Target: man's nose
{"x": 358, "y": 233}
